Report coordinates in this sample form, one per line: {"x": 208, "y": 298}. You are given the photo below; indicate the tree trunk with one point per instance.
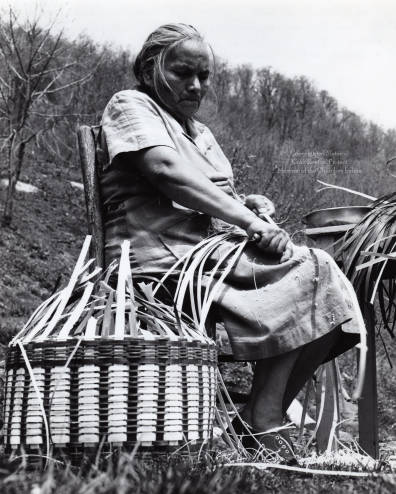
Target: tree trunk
{"x": 15, "y": 161}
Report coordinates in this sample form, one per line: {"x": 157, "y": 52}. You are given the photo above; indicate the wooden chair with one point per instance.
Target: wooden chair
{"x": 92, "y": 160}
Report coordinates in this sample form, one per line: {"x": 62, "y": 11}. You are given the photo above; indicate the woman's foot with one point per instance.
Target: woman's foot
{"x": 270, "y": 447}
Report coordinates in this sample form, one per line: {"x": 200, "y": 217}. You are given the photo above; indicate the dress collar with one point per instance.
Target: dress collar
{"x": 195, "y": 128}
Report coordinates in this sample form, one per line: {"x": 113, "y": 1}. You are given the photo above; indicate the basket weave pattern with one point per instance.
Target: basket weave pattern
{"x": 160, "y": 393}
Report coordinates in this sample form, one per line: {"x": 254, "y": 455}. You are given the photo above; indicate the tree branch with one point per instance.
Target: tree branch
{"x": 32, "y": 136}
{"x": 5, "y": 98}
{"x": 16, "y": 72}
{"x": 62, "y": 115}
{"x": 45, "y": 37}
{"x": 66, "y": 86}
{"x": 56, "y": 69}
{"x": 46, "y": 90}
{"x": 12, "y": 24}
{"x": 5, "y": 42}
{"x": 6, "y": 139}
{"x": 48, "y": 60}
{"x": 5, "y": 83}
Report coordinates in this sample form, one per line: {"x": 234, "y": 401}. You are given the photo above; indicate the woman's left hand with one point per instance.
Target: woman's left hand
{"x": 260, "y": 205}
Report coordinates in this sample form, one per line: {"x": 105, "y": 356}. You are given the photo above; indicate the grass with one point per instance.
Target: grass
{"x": 127, "y": 474}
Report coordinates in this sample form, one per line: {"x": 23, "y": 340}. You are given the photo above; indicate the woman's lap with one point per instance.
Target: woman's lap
{"x": 270, "y": 308}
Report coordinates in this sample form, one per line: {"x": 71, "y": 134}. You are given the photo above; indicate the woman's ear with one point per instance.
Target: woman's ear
{"x": 148, "y": 78}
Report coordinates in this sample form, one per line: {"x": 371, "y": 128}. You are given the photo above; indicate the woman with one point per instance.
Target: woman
{"x": 282, "y": 305}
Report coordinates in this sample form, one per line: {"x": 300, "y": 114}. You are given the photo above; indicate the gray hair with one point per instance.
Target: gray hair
{"x": 160, "y": 42}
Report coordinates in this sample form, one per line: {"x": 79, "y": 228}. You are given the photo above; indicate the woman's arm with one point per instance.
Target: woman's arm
{"x": 191, "y": 188}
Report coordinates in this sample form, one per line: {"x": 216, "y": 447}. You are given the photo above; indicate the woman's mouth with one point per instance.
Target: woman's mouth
{"x": 194, "y": 101}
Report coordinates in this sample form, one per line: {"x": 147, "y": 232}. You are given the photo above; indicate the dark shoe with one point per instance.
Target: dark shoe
{"x": 270, "y": 447}
{"x": 241, "y": 428}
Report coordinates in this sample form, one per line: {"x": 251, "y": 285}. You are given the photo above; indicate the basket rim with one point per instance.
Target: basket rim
{"x": 180, "y": 341}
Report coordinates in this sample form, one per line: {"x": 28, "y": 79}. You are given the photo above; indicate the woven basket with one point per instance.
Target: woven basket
{"x": 158, "y": 393}
{"x": 84, "y": 375}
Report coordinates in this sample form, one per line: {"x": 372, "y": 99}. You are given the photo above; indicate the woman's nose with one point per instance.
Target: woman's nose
{"x": 194, "y": 84}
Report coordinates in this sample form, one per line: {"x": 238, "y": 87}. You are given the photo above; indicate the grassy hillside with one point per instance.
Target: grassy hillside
{"x": 41, "y": 246}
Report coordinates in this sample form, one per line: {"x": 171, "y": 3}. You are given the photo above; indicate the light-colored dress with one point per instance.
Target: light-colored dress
{"x": 267, "y": 308}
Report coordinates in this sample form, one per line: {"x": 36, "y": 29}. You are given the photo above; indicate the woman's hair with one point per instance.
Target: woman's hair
{"x": 160, "y": 42}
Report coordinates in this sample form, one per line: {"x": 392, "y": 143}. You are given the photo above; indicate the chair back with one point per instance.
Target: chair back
{"x": 88, "y": 138}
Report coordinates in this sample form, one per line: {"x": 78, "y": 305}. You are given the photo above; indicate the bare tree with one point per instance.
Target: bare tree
{"x": 34, "y": 69}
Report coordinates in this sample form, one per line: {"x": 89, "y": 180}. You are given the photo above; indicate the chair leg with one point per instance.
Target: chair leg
{"x": 327, "y": 408}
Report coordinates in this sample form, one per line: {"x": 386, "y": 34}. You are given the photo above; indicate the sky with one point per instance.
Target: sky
{"x": 346, "y": 47}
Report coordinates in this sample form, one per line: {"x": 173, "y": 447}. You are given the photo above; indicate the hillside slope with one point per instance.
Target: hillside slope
{"x": 39, "y": 249}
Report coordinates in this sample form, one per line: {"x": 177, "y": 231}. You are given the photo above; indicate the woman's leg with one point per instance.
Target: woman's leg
{"x": 277, "y": 381}
{"x": 312, "y": 356}
{"x": 264, "y": 409}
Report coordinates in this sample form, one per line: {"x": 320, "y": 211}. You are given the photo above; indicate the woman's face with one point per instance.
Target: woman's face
{"x": 186, "y": 69}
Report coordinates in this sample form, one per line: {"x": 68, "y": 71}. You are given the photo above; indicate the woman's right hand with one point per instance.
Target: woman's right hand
{"x": 270, "y": 238}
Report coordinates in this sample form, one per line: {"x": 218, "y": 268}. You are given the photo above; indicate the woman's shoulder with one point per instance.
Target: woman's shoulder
{"x": 131, "y": 95}
{"x": 132, "y": 122}
{"x": 130, "y": 100}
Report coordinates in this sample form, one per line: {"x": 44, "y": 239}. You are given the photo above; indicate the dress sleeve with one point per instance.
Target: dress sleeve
{"x": 131, "y": 122}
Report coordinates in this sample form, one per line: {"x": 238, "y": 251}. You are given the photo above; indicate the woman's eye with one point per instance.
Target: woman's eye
{"x": 185, "y": 74}
{"x": 182, "y": 73}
